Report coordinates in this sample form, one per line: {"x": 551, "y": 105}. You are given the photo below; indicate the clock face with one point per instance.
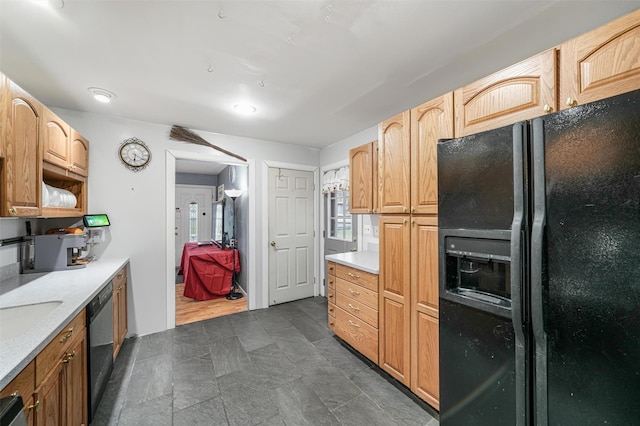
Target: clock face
{"x": 134, "y": 154}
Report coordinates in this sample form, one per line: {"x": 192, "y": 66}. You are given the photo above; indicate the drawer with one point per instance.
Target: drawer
{"x": 357, "y": 333}
{"x": 357, "y": 309}
{"x": 357, "y": 276}
{"x": 331, "y": 268}
{"x": 120, "y": 278}
{"x": 332, "y": 281}
{"x": 332, "y": 296}
{"x": 332, "y": 309}
{"x": 360, "y": 294}
{"x": 24, "y": 384}
{"x": 52, "y": 354}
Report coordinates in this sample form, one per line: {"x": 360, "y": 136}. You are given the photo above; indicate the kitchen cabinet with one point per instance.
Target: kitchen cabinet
{"x": 425, "y": 380}
{"x": 79, "y": 154}
{"x": 21, "y": 173}
{"x": 56, "y": 138}
{"x": 24, "y": 385}
{"x": 394, "y": 145}
{"x": 363, "y": 178}
{"x": 353, "y": 308}
{"x": 61, "y": 374}
{"x": 119, "y": 310}
{"x": 520, "y": 92}
{"x": 601, "y": 63}
{"x": 430, "y": 121}
{"x": 395, "y": 297}
{"x": 408, "y": 157}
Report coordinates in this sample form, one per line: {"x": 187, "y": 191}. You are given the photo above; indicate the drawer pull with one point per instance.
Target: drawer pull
{"x": 330, "y": 296}
{"x": 354, "y": 292}
{"x": 69, "y": 357}
{"x": 119, "y": 276}
{"x": 353, "y": 324}
{"x": 356, "y": 276}
{"x": 354, "y": 308}
{"x": 35, "y": 406}
{"x": 66, "y": 336}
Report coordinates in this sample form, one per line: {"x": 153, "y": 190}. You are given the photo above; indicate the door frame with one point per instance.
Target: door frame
{"x": 170, "y": 220}
{"x": 265, "y": 221}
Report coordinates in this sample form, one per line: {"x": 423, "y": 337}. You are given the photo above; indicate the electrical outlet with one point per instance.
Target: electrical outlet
{"x": 366, "y": 230}
{"x": 376, "y": 230}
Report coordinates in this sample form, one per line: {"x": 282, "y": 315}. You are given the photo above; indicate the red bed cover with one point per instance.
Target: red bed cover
{"x": 207, "y": 270}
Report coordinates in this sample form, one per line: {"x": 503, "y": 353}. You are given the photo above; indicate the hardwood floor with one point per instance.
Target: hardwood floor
{"x": 189, "y": 310}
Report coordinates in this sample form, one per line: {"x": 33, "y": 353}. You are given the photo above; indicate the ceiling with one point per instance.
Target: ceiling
{"x": 316, "y": 71}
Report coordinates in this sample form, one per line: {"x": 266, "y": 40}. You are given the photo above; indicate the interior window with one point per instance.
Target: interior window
{"x": 193, "y": 221}
{"x": 339, "y": 218}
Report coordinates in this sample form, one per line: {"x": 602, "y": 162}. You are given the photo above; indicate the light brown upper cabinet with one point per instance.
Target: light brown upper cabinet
{"x": 363, "y": 178}
{"x": 601, "y": 63}
{"x": 57, "y": 135}
{"x": 79, "y": 153}
{"x": 520, "y": 92}
{"x": 394, "y": 144}
{"x": 63, "y": 146}
{"x": 21, "y": 174}
{"x": 429, "y": 122}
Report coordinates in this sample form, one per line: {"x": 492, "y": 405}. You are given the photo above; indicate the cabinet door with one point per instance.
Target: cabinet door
{"x": 56, "y": 139}
{"x": 394, "y": 162}
{"x": 601, "y": 63}
{"x": 75, "y": 392}
{"x": 79, "y": 154}
{"x": 361, "y": 179}
{"x": 394, "y": 297}
{"x": 429, "y": 122}
{"x": 22, "y": 163}
{"x": 425, "y": 380}
{"x": 4, "y": 92}
{"x": 521, "y": 92}
{"x": 52, "y": 399}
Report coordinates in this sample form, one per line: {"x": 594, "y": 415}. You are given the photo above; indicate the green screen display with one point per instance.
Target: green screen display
{"x": 94, "y": 220}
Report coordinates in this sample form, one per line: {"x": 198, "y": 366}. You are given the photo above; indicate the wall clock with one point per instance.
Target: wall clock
{"x": 135, "y": 154}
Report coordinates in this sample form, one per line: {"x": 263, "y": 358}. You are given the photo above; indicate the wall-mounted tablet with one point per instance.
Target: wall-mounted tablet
{"x": 95, "y": 220}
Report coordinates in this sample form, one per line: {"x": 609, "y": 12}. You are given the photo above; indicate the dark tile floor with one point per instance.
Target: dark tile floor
{"x": 276, "y": 366}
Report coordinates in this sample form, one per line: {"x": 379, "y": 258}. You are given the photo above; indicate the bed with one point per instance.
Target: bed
{"x": 207, "y": 270}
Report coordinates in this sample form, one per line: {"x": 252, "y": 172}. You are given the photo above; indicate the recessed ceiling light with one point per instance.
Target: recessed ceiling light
{"x": 101, "y": 95}
{"x": 244, "y": 108}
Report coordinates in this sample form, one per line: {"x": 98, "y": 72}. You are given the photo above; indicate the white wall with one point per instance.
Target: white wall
{"x": 339, "y": 151}
{"x": 135, "y": 201}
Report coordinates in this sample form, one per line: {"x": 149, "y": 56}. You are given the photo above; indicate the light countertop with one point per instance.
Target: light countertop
{"x": 367, "y": 261}
{"x": 74, "y": 288}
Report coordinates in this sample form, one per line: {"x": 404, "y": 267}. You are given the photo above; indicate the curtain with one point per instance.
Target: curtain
{"x": 335, "y": 180}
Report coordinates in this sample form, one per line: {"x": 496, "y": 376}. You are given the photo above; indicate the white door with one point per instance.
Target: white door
{"x": 291, "y": 222}
{"x": 193, "y": 215}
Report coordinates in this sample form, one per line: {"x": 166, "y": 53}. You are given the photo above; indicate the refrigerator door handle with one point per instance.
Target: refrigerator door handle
{"x": 537, "y": 245}
{"x": 517, "y": 271}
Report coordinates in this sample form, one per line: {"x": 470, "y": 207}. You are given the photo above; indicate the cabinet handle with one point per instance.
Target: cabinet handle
{"x": 412, "y": 209}
{"x": 547, "y": 108}
{"x": 69, "y": 357}
{"x": 404, "y": 221}
{"x": 354, "y": 292}
{"x": 413, "y": 221}
{"x": 404, "y": 209}
{"x": 571, "y": 101}
{"x": 66, "y": 336}
{"x": 119, "y": 276}
{"x": 354, "y": 308}
{"x": 12, "y": 210}
{"x": 356, "y": 276}
{"x": 353, "y": 324}
{"x": 36, "y": 406}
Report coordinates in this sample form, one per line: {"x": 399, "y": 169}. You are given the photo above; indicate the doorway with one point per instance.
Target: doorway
{"x": 194, "y": 217}
{"x": 201, "y": 310}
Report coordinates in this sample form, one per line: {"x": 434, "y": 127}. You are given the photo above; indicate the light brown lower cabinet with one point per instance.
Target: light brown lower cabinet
{"x": 353, "y": 308}
{"x": 119, "y": 310}
{"x": 62, "y": 392}
{"x": 54, "y": 385}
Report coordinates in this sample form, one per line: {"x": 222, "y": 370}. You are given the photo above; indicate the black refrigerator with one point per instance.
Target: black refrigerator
{"x": 539, "y": 255}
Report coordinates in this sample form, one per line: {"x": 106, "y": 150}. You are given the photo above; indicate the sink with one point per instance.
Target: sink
{"x": 17, "y": 320}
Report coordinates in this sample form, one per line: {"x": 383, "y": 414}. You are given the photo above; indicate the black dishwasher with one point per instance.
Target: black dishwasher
{"x": 100, "y": 342}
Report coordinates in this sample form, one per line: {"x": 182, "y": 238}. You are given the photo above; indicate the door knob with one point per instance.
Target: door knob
{"x": 273, "y": 243}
